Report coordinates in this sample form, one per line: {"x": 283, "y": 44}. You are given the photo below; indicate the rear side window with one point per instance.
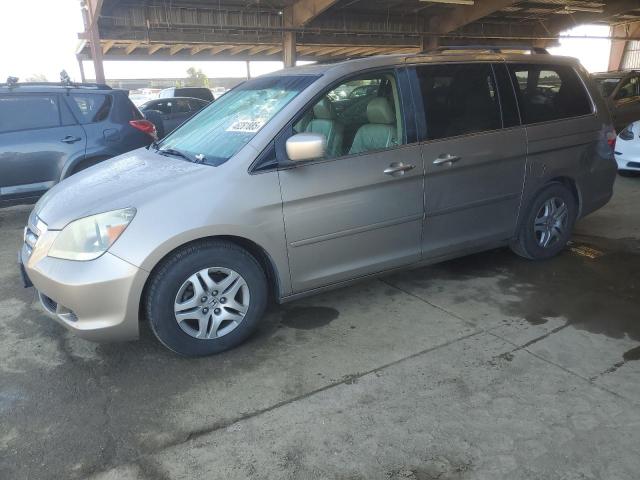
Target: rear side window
{"x": 547, "y": 92}
{"x": 27, "y": 112}
{"x": 459, "y": 99}
{"x": 93, "y": 108}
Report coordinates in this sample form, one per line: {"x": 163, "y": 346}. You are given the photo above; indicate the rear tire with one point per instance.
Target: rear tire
{"x": 206, "y": 298}
{"x": 546, "y": 227}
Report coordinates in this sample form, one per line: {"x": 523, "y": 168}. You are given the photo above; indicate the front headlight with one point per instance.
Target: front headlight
{"x": 89, "y": 237}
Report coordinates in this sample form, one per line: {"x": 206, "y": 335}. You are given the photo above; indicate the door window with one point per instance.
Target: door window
{"x": 92, "y": 107}
{"x": 181, "y": 105}
{"x": 360, "y": 115}
{"x": 549, "y": 92}
{"x": 25, "y": 112}
{"x": 459, "y": 99}
{"x": 628, "y": 89}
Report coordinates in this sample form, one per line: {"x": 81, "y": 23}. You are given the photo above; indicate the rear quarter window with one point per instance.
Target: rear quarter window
{"x": 92, "y": 108}
{"x": 28, "y": 112}
{"x": 549, "y": 92}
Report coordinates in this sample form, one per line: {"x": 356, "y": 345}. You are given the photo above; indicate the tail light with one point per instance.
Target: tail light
{"x": 611, "y": 138}
{"x": 626, "y": 134}
{"x": 145, "y": 126}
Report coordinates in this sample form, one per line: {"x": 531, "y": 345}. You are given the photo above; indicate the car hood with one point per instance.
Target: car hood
{"x": 129, "y": 180}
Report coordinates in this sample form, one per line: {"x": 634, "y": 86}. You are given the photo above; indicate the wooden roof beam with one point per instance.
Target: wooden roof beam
{"x": 108, "y": 45}
{"x": 465, "y": 14}
{"x": 176, "y": 48}
{"x": 304, "y": 11}
{"x": 154, "y": 48}
{"x": 130, "y": 48}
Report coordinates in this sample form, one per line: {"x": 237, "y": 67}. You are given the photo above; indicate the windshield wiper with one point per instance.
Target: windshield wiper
{"x": 176, "y": 153}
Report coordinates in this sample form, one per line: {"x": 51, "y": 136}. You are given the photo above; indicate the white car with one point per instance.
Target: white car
{"x": 628, "y": 148}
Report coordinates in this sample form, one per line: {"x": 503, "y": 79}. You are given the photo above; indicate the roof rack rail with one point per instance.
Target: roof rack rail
{"x": 494, "y": 48}
{"x": 97, "y": 86}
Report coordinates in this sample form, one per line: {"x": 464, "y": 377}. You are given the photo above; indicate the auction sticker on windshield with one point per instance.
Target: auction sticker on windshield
{"x": 246, "y": 126}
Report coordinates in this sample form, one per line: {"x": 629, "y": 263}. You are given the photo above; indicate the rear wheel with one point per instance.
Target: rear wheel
{"x": 206, "y": 298}
{"x": 546, "y": 228}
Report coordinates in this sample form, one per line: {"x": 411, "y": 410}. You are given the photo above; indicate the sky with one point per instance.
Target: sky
{"x": 46, "y": 42}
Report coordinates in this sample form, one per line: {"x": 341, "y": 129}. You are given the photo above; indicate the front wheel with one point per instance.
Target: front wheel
{"x": 206, "y": 298}
{"x": 546, "y": 228}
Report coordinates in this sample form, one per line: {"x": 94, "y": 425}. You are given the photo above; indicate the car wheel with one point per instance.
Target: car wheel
{"x": 546, "y": 227}
{"x": 206, "y": 298}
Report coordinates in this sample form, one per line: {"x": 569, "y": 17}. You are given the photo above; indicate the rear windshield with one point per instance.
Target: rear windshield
{"x": 607, "y": 85}
{"x": 220, "y": 130}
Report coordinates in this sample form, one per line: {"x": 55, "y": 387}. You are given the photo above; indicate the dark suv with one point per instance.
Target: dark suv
{"x": 193, "y": 92}
{"x": 49, "y": 131}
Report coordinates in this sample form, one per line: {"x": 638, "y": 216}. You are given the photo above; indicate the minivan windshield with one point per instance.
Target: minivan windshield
{"x": 219, "y": 131}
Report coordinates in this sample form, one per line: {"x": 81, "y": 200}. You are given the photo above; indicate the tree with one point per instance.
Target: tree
{"x": 36, "y": 77}
{"x": 196, "y": 78}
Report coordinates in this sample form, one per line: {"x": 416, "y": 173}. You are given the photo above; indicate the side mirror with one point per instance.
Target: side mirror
{"x": 306, "y": 146}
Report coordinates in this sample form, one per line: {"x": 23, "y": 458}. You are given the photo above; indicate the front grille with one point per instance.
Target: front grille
{"x": 633, "y": 164}
{"x": 32, "y": 232}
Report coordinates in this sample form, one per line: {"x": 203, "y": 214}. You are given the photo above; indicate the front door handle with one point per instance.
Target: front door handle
{"x": 447, "y": 158}
{"x": 70, "y": 139}
{"x": 398, "y": 168}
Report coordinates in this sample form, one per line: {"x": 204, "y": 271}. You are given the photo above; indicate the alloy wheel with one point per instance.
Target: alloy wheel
{"x": 211, "y": 303}
{"x": 551, "y": 222}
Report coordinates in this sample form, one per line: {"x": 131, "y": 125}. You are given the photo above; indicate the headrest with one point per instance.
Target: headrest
{"x": 379, "y": 111}
{"x": 323, "y": 110}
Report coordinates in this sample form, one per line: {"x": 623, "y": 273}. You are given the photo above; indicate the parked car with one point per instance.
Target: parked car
{"x": 50, "y": 131}
{"x": 218, "y": 92}
{"x": 172, "y": 111}
{"x": 202, "y": 93}
{"x": 274, "y": 193}
{"x": 628, "y": 149}
{"x": 622, "y": 90}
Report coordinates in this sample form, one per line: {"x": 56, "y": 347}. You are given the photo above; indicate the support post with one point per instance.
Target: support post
{"x": 248, "y": 70}
{"x": 289, "y": 49}
{"x": 83, "y": 79}
{"x": 428, "y": 43}
{"x": 96, "y": 55}
{"x": 89, "y": 15}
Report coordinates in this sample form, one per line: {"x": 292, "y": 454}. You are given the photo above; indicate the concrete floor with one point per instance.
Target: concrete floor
{"x": 486, "y": 367}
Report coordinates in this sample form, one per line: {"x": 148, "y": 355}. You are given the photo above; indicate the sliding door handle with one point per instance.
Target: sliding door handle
{"x": 447, "y": 158}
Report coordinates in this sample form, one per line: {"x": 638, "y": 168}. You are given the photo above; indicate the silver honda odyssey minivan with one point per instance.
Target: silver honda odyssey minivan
{"x": 313, "y": 177}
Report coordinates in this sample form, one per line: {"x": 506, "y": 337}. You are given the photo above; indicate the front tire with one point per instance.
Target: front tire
{"x": 547, "y": 225}
{"x": 206, "y": 298}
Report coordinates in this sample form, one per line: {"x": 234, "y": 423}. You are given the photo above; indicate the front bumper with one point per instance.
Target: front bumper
{"x": 624, "y": 163}
{"x": 98, "y": 300}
